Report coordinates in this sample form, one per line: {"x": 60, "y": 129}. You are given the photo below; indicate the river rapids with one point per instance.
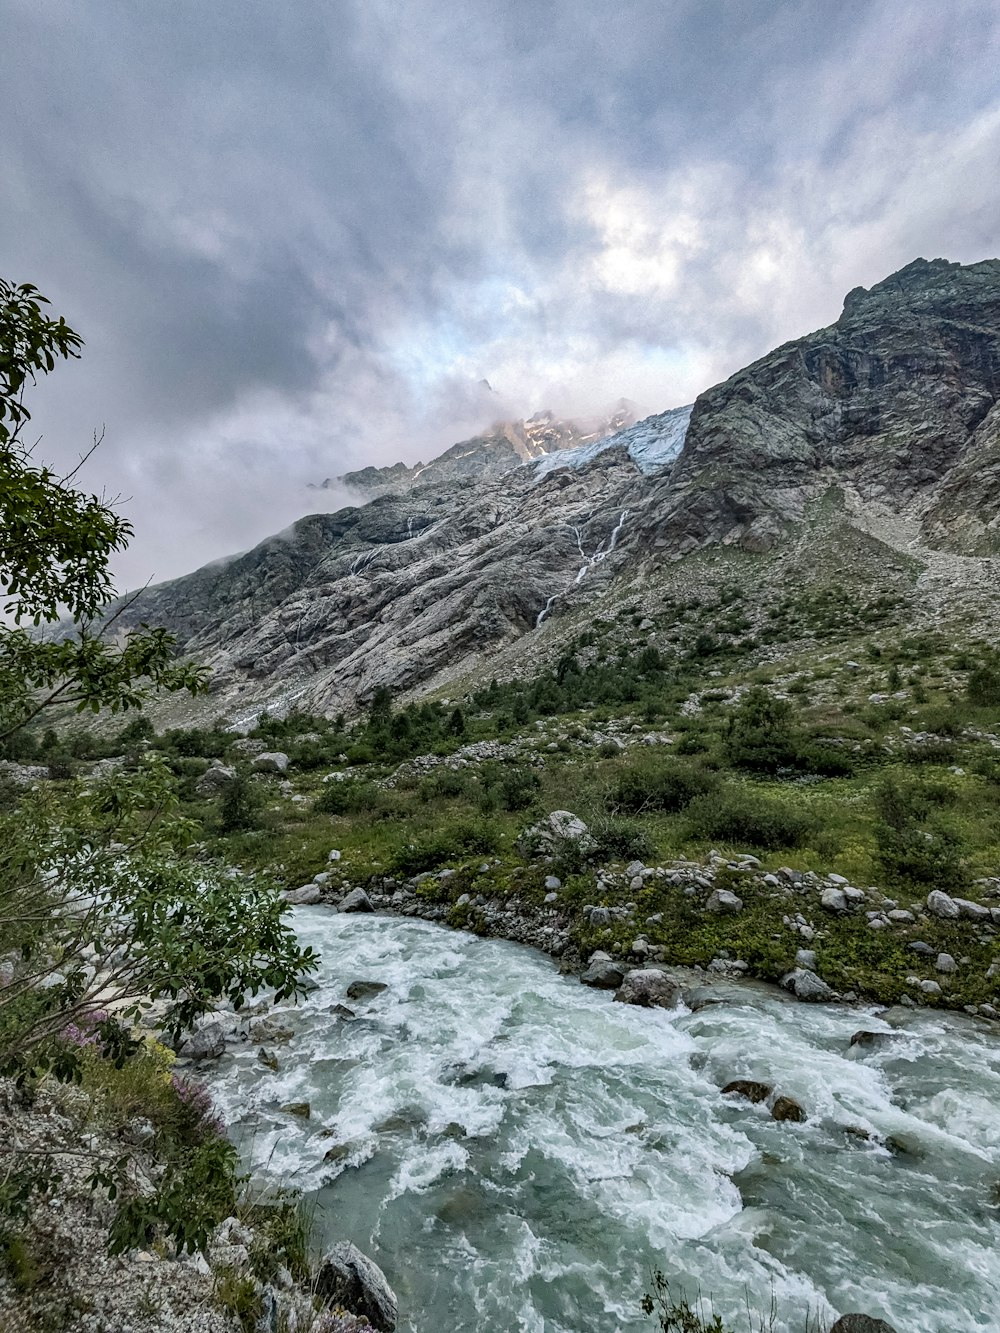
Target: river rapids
{"x": 518, "y": 1152}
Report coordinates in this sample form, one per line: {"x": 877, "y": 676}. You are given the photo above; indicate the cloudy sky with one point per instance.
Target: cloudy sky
{"x": 296, "y": 235}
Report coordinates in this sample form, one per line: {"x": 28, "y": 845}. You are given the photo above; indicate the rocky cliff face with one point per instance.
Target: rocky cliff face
{"x": 893, "y": 409}
{"x": 896, "y": 400}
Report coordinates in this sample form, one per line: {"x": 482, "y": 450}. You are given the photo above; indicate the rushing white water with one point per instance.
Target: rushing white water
{"x": 521, "y": 1151}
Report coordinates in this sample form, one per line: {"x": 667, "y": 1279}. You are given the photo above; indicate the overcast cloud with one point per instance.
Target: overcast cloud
{"x": 296, "y": 236}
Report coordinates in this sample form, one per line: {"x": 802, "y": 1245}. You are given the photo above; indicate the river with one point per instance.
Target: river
{"x": 521, "y": 1151}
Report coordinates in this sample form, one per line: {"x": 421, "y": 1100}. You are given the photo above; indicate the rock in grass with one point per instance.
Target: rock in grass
{"x": 752, "y": 1090}
{"x": 271, "y": 761}
{"x": 833, "y": 900}
{"x": 724, "y": 902}
{"x": 941, "y": 905}
{"x": 350, "y": 1279}
{"x": 649, "y": 988}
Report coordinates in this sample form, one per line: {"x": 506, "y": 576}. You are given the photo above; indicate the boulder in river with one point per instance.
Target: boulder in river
{"x": 861, "y": 1323}
{"x": 364, "y": 990}
{"x": 350, "y": 1279}
{"x": 752, "y": 1089}
{"x": 872, "y": 1040}
{"x": 208, "y": 1043}
{"x": 650, "y": 988}
{"x": 787, "y": 1108}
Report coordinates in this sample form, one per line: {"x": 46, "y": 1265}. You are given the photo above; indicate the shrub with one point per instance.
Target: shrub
{"x": 760, "y": 735}
{"x": 621, "y": 840}
{"x": 346, "y": 796}
{"x": 983, "y": 687}
{"x": 240, "y": 806}
{"x": 739, "y": 817}
{"x": 652, "y": 785}
{"x": 448, "y": 783}
{"x": 450, "y": 843}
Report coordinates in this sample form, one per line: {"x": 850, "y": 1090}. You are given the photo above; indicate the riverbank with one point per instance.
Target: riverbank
{"x": 819, "y": 937}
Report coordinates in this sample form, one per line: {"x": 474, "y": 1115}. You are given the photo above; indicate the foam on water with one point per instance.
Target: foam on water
{"x": 521, "y": 1151}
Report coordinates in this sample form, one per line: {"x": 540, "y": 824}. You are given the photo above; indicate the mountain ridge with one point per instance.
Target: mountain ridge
{"x": 893, "y": 409}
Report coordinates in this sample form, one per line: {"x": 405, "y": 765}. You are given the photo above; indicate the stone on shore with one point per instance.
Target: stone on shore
{"x": 357, "y": 901}
{"x": 602, "y": 972}
{"x": 806, "y": 985}
{"x": 350, "y": 1279}
{"x": 649, "y": 988}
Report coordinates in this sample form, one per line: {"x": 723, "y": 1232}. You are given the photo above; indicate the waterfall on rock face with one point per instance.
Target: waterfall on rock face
{"x": 518, "y": 1152}
{"x": 588, "y": 561}
{"x": 543, "y": 613}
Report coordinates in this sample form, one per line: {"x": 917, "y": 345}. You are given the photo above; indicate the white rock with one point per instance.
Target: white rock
{"x": 939, "y": 904}
{"x": 723, "y": 901}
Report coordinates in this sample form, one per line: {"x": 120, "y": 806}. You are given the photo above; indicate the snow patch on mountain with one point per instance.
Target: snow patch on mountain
{"x": 652, "y": 444}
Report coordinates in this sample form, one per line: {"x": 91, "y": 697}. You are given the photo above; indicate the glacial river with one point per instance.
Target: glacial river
{"x": 518, "y": 1152}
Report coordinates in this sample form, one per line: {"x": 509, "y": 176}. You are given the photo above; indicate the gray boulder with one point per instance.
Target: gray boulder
{"x": 304, "y": 897}
{"x": 806, "y": 985}
{"x": 972, "y": 911}
{"x": 939, "y": 904}
{"x": 357, "y": 901}
{"x": 216, "y": 778}
{"x": 722, "y": 901}
{"x": 649, "y": 988}
{"x": 271, "y": 761}
{"x": 603, "y": 973}
{"x": 208, "y": 1043}
{"x": 834, "y": 900}
{"x": 364, "y": 990}
{"x": 348, "y": 1278}
{"x": 559, "y": 831}
{"x": 945, "y": 963}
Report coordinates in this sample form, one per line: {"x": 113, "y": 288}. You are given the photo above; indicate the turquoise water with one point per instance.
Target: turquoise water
{"x": 518, "y": 1152}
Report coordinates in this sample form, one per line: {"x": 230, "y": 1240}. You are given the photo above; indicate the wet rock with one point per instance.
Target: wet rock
{"x": 350, "y": 1279}
{"x": 872, "y": 1040}
{"x": 357, "y": 901}
{"x": 722, "y": 901}
{"x": 806, "y": 985}
{"x": 752, "y": 1090}
{"x": 364, "y": 990}
{"x": 649, "y": 988}
{"x": 342, "y": 1011}
{"x": 271, "y": 761}
{"x": 269, "y": 1029}
{"x": 700, "y": 997}
{"x": 941, "y": 905}
{"x": 603, "y": 973}
{"x": 300, "y": 1109}
{"x": 787, "y": 1108}
{"x": 861, "y": 1323}
{"x": 268, "y": 1059}
{"x": 208, "y": 1043}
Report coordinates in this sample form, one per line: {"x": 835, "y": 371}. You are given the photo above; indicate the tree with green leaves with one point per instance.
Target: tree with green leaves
{"x": 103, "y": 914}
{"x": 56, "y": 544}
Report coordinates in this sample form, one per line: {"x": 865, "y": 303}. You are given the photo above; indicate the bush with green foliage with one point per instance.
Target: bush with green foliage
{"x": 760, "y": 733}
{"x": 451, "y": 842}
{"x": 741, "y": 817}
{"x": 658, "y": 785}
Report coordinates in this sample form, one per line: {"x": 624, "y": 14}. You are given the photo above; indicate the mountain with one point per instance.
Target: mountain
{"x": 508, "y": 445}
{"x": 863, "y": 455}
